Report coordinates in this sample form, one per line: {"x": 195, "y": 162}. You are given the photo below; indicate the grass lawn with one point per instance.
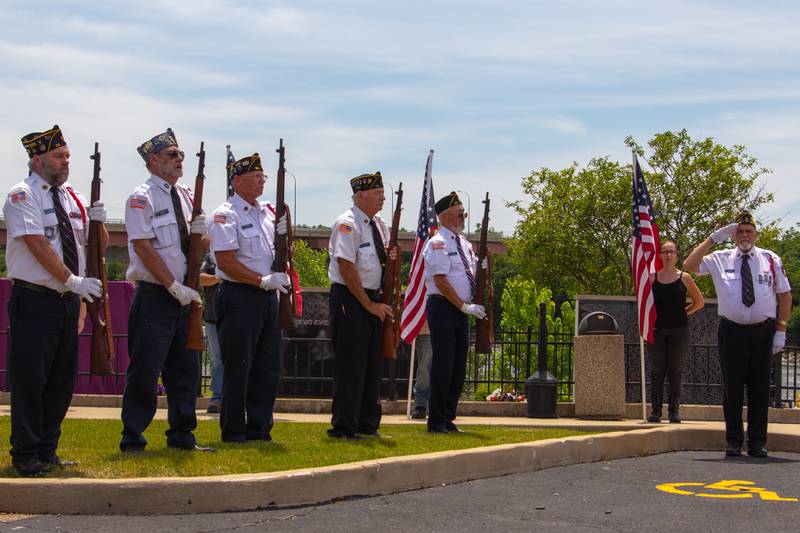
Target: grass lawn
{"x": 94, "y": 444}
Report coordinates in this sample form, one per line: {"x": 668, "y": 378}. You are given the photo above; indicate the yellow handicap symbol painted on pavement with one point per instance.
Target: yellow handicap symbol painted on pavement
{"x": 727, "y": 489}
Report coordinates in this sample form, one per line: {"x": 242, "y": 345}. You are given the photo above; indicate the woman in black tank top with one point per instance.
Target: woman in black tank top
{"x": 671, "y": 341}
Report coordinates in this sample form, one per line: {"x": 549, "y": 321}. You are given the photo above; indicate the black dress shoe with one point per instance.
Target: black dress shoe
{"x": 265, "y": 438}
{"x": 194, "y": 448}
{"x": 132, "y": 449}
{"x": 452, "y": 428}
{"x": 55, "y": 460}
{"x": 30, "y": 466}
{"x": 733, "y": 451}
{"x": 654, "y": 418}
{"x": 758, "y": 451}
{"x": 419, "y": 413}
{"x": 674, "y": 419}
{"x": 437, "y": 430}
{"x": 343, "y": 436}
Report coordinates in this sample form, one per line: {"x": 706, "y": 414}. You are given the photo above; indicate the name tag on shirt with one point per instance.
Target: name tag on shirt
{"x": 730, "y": 270}
{"x": 162, "y": 212}
{"x": 50, "y": 211}
{"x": 364, "y": 245}
{"x": 247, "y": 226}
{"x": 452, "y": 253}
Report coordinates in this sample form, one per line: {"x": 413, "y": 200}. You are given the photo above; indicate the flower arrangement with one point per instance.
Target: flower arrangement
{"x": 499, "y": 396}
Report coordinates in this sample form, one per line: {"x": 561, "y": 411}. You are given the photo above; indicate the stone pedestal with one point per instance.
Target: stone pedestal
{"x": 599, "y": 376}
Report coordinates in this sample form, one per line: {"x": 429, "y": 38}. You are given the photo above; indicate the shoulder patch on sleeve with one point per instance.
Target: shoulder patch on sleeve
{"x": 346, "y": 228}
{"x": 220, "y": 218}
{"x": 137, "y": 202}
{"x": 437, "y": 245}
{"x": 18, "y": 196}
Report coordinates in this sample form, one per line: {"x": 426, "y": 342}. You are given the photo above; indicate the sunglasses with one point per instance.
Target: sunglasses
{"x": 669, "y": 252}
{"x": 175, "y": 154}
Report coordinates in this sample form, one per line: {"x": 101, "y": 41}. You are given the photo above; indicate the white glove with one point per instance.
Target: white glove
{"x": 185, "y": 295}
{"x": 485, "y": 263}
{"x": 97, "y": 212}
{"x": 778, "y": 341}
{"x": 198, "y": 225}
{"x": 281, "y": 226}
{"x": 724, "y": 233}
{"x": 84, "y": 287}
{"x": 474, "y": 309}
{"x": 276, "y": 280}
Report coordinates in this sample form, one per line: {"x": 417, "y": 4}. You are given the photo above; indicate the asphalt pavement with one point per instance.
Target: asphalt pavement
{"x": 684, "y": 491}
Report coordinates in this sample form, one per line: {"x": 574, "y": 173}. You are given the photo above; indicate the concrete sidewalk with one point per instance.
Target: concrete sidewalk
{"x": 627, "y": 438}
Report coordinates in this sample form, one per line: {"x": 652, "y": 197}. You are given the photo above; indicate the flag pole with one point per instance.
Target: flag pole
{"x": 644, "y": 392}
{"x": 411, "y": 377}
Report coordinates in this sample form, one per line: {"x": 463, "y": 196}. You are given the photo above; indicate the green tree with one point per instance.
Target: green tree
{"x": 787, "y": 246}
{"x": 311, "y": 265}
{"x": 2, "y": 263}
{"x": 574, "y": 232}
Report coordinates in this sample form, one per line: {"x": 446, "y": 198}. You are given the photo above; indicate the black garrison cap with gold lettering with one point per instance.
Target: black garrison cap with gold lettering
{"x": 251, "y": 163}
{"x": 41, "y": 142}
{"x": 366, "y": 182}
{"x": 745, "y": 218}
{"x": 157, "y": 143}
{"x": 446, "y": 203}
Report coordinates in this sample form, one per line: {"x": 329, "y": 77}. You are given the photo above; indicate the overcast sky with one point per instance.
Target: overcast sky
{"x": 496, "y": 88}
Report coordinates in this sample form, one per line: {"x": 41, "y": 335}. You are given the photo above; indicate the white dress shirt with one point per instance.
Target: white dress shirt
{"x": 29, "y": 210}
{"x": 351, "y": 239}
{"x": 442, "y": 258}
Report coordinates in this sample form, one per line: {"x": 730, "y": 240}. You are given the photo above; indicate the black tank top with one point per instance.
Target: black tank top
{"x": 670, "y": 299}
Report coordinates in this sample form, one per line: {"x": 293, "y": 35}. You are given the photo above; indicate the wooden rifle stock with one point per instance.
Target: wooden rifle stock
{"x": 102, "y": 350}
{"x": 287, "y": 309}
{"x": 390, "y": 338}
{"x": 484, "y": 335}
{"x": 194, "y": 338}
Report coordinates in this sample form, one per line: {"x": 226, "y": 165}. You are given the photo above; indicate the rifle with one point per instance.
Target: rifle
{"x": 194, "y": 338}
{"x": 287, "y": 309}
{"x": 391, "y": 287}
{"x": 484, "y": 336}
{"x": 102, "y": 352}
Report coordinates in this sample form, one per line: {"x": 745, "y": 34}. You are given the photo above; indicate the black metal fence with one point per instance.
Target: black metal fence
{"x": 702, "y": 377}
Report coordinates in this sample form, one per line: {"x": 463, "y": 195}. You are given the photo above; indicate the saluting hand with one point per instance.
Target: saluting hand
{"x": 724, "y": 233}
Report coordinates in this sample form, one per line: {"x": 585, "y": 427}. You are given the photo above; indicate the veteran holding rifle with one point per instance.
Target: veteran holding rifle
{"x": 450, "y": 267}
{"x": 157, "y": 221}
{"x": 243, "y": 233}
{"x": 47, "y": 224}
{"x": 358, "y": 258}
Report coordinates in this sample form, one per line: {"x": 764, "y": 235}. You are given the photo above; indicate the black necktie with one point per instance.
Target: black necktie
{"x": 748, "y": 295}
{"x": 184, "y": 231}
{"x": 471, "y": 277}
{"x": 69, "y": 249}
{"x": 379, "y": 249}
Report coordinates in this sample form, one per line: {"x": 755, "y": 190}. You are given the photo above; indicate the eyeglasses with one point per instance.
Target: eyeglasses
{"x": 462, "y": 215}
{"x": 175, "y": 154}
{"x": 669, "y": 252}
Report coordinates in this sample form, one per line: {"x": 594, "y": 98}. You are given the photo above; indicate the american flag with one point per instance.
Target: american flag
{"x": 229, "y": 167}
{"x": 414, "y": 303}
{"x": 645, "y": 252}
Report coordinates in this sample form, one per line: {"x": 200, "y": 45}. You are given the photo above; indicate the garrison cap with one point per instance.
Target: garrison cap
{"x": 157, "y": 143}
{"x": 251, "y": 163}
{"x": 745, "y": 218}
{"x": 41, "y": 142}
{"x": 446, "y": 203}
{"x": 366, "y": 182}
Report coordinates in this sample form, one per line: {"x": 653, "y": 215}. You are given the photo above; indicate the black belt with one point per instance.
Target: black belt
{"x": 247, "y": 286}
{"x": 376, "y": 295}
{"x": 747, "y": 326}
{"x": 44, "y": 290}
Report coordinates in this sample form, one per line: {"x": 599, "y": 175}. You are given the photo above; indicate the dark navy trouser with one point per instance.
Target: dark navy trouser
{"x": 42, "y": 361}
{"x": 250, "y": 343}
{"x": 356, "y": 339}
{"x": 449, "y": 339}
{"x": 157, "y": 329}
{"x": 744, "y": 355}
